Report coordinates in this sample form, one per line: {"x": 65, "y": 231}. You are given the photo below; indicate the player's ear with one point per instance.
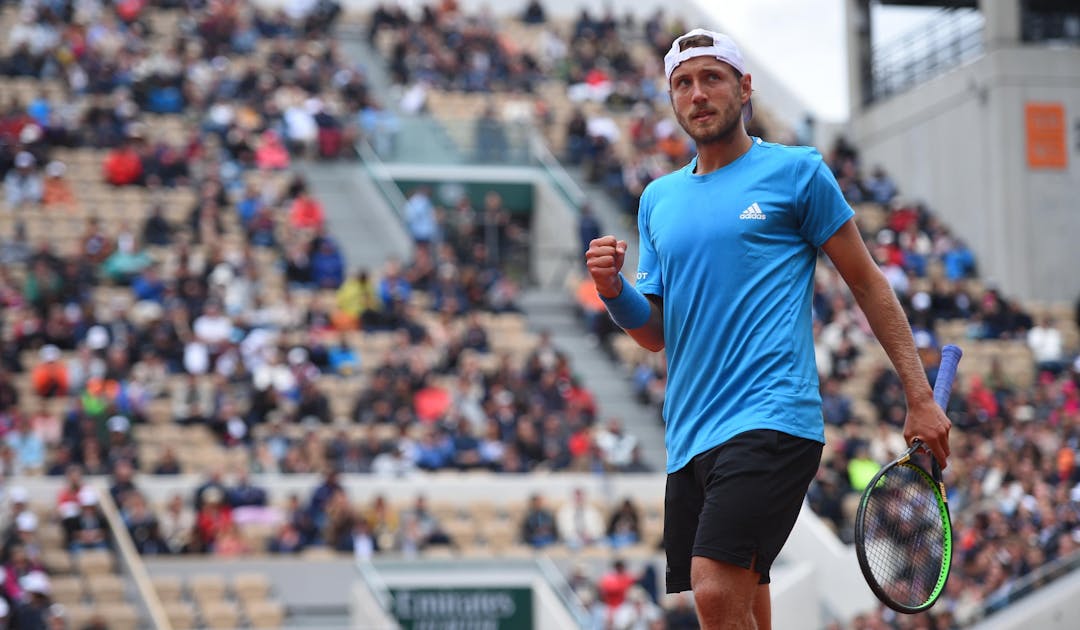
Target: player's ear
{"x": 746, "y": 87}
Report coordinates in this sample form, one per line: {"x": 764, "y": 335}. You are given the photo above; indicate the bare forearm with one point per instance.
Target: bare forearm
{"x": 651, "y": 335}
{"x": 890, "y": 326}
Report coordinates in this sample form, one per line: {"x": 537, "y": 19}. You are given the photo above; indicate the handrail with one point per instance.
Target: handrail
{"x": 950, "y": 38}
{"x": 566, "y": 595}
{"x": 562, "y": 181}
{"x": 1028, "y": 584}
{"x": 373, "y": 164}
{"x": 132, "y": 560}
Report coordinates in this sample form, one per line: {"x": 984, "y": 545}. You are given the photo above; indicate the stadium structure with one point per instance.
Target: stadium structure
{"x": 233, "y": 444}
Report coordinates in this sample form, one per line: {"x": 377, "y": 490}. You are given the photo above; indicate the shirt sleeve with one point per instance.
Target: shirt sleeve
{"x": 822, "y": 208}
{"x": 649, "y": 278}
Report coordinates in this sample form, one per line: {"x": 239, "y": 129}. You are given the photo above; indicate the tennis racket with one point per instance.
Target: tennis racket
{"x": 903, "y": 533}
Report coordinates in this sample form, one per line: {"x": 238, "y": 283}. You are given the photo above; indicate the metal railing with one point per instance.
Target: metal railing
{"x": 951, "y": 38}
{"x": 131, "y": 563}
{"x": 1028, "y": 584}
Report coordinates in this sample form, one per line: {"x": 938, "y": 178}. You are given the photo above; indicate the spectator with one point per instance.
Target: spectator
{"x": 358, "y": 303}
{"x": 615, "y": 444}
{"x": 327, "y": 264}
{"x": 305, "y": 211}
{"x": 492, "y": 146}
{"x": 88, "y": 530}
{"x": 637, "y": 612}
{"x": 579, "y": 523}
{"x": 214, "y": 517}
{"x": 157, "y": 230}
{"x": 123, "y": 165}
{"x": 271, "y": 153}
{"x": 538, "y": 526}
{"x": 49, "y": 378}
{"x": 624, "y": 526}
{"x": 26, "y": 446}
{"x": 1047, "y": 346}
{"x": 534, "y": 13}
{"x": 56, "y": 191}
{"x": 420, "y": 217}
{"x": 22, "y": 184}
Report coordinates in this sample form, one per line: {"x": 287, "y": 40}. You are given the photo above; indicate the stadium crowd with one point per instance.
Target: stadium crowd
{"x": 182, "y": 308}
{"x": 197, "y": 322}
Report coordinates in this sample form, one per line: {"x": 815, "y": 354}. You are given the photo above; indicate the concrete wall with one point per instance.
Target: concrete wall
{"x": 959, "y": 143}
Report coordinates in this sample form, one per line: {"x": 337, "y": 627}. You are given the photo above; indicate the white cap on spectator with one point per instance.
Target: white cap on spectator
{"x": 237, "y": 428}
{"x": 97, "y": 337}
{"x": 87, "y": 497}
{"x": 24, "y": 159}
{"x": 920, "y": 301}
{"x": 68, "y": 509}
{"x": 49, "y": 352}
{"x": 119, "y": 424}
{"x": 723, "y": 48}
{"x": 297, "y": 356}
{"x": 30, "y": 134}
{"x": 18, "y": 494}
{"x": 56, "y": 168}
{"x": 26, "y": 521}
{"x": 36, "y": 582}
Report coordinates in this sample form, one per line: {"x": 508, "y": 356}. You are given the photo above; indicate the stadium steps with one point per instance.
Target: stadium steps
{"x": 416, "y": 135}
{"x": 363, "y": 224}
{"x": 553, "y": 310}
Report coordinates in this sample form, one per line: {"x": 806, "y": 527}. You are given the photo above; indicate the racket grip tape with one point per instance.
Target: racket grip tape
{"x": 950, "y": 358}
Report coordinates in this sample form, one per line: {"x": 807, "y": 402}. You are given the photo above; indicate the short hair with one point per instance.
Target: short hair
{"x": 697, "y": 41}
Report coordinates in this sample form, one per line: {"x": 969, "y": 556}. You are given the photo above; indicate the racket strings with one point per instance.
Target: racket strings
{"x": 904, "y": 538}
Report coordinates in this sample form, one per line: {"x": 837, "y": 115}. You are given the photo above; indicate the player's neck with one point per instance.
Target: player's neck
{"x": 716, "y": 155}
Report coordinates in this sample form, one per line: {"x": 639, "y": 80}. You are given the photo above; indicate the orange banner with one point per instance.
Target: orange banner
{"x": 1046, "y": 144}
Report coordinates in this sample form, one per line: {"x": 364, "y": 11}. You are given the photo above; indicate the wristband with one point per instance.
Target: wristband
{"x": 630, "y": 309}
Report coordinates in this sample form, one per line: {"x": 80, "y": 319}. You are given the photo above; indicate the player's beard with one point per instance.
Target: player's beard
{"x": 721, "y": 128}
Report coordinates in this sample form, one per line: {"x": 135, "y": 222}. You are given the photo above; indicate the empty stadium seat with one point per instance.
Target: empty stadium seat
{"x": 219, "y": 615}
{"x": 169, "y": 588}
{"x": 180, "y": 614}
{"x": 265, "y": 614}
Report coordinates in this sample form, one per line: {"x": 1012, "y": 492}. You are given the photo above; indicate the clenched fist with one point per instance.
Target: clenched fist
{"x": 604, "y": 260}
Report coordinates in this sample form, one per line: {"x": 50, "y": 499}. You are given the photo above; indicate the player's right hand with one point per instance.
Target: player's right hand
{"x": 604, "y": 260}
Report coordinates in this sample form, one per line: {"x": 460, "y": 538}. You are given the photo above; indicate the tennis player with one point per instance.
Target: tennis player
{"x": 728, "y": 246}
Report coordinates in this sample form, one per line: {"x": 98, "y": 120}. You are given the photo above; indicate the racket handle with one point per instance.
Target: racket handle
{"x": 950, "y": 358}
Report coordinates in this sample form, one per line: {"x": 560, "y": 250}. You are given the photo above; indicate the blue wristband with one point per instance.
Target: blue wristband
{"x": 630, "y": 309}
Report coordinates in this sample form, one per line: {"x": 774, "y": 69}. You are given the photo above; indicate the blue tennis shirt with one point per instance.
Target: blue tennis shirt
{"x": 732, "y": 254}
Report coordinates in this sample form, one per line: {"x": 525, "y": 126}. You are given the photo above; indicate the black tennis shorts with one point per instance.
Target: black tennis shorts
{"x": 737, "y": 503}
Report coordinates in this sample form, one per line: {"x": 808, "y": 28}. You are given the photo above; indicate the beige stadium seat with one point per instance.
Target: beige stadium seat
{"x": 170, "y": 588}
{"x": 106, "y": 588}
{"x": 80, "y": 615}
{"x": 180, "y": 614}
{"x": 220, "y": 615}
{"x": 119, "y": 616}
{"x": 207, "y": 588}
{"x": 94, "y": 562}
{"x": 250, "y": 586}
{"x": 67, "y": 589}
{"x": 57, "y": 561}
{"x": 265, "y": 614}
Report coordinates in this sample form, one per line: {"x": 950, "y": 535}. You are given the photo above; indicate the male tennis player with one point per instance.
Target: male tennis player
{"x": 724, "y": 283}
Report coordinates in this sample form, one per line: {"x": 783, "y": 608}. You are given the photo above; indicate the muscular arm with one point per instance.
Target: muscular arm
{"x": 604, "y": 260}
{"x": 925, "y": 420}
{"x": 651, "y": 335}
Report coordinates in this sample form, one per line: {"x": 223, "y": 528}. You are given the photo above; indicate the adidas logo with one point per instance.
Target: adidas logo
{"x": 753, "y": 212}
